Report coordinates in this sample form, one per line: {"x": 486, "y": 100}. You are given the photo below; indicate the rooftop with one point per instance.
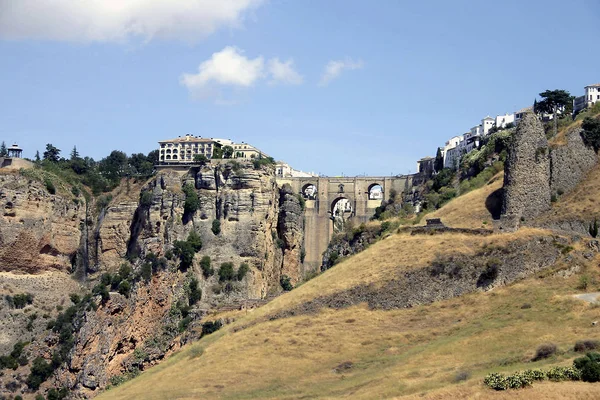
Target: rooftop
{"x": 187, "y": 138}
{"x": 594, "y": 85}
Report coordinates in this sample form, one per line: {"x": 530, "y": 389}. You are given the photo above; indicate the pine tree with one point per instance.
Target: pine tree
{"x": 439, "y": 161}
{"x": 37, "y": 156}
{"x": 3, "y": 151}
{"x": 74, "y": 153}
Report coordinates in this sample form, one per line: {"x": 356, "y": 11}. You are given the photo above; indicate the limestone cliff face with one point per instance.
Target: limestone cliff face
{"x": 527, "y": 172}
{"x": 38, "y": 230}
{"x": 257, "y": 225}
{"x": 290, "y": 227}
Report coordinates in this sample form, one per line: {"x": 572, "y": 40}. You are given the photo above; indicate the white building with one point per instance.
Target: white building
{"x": 241, "y": 150}
{"x": 503, "y": 120}
{"x": 450, "y": 151}
{"x": 284, "y": 170}
{"x": 591, "y": 97}
{"x": 486, "y": 124}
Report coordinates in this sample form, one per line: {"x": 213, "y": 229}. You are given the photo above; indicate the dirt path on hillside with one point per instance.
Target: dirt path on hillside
{"x": 589, "y": 297}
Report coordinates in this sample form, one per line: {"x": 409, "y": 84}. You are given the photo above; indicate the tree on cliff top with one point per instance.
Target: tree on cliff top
{"x": 52, "y": 153}
{"x": 552, "y": 101}
{"x": 3, "y": 151}
{"x": 439, "y": 161}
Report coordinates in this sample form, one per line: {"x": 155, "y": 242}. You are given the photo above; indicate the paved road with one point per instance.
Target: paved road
{"x": 589, "y": 297}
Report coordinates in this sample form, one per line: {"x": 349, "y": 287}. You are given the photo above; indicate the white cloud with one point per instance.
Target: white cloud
{"x": 228, "y": 67}
{"x": 284, "y": 72}
{"x": 231, "y": 69}
{"x": 334, "y": 68}
{"x": 119, "y": 20}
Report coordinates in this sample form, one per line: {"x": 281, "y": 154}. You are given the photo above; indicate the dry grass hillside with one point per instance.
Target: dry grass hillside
{"x": 437, "y": 351}
{"x": 470, "y": 210}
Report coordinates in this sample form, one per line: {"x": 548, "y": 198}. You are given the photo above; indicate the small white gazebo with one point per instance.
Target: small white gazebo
{"x": 15, "y": 151}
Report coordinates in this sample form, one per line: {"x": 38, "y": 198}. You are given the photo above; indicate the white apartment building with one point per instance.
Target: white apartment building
{"x": 503, "y": 120}
{"x": 450, "y": 151}
{"x": 591, "y": 97}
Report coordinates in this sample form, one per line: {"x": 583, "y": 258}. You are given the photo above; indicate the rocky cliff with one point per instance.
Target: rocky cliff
{"x": 536, "y": 173}
{"x": 240, "y": 216}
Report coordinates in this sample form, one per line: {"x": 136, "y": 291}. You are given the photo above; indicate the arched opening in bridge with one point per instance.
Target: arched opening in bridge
{"x": 341, "y": 210}
{"x": 375, "y": 192}
{"x": 309, "y": 191}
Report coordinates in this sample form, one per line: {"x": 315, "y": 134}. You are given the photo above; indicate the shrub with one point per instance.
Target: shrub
{"x": 50, "y": 186}
{"x": 195, "y": 240}
{"x": 496, "y": 381}
{"x": 242, "y": 271}
{"x": 585, "y": 345}
{"x": 544, "y": 351}
{"x": 461, "y": 376}
{"x": 146, "y": 198}
{"x": 518, "y": 380}
{"x": 195, "y": 293}
{"x": 185, "y": 251}
{"x": 280, "y": 243}
{"x": 591, "y": 132}
{"x": 207, "y": 270}
{"x": 589, "y": 367}
{"x": 102, "y": 290}
{"x": 286, "y": 283}
{"x": 125, "y": 271}
{"x": 216, "y": 227}
{"x": 125, "y": 288}
{"x": 584, "y": 282}
{"x": 40, "y": 371}
{"x": 226, "y": 272}
{"x": 192, "y": 203}
{"x": 60, "y": 394}
{"x": 535, "y": 374}
{"x": 21, "y": 300}
{"x": 210, "y": 327}
{"x": 559, "y": 374}
{"x": 146, "y": 271}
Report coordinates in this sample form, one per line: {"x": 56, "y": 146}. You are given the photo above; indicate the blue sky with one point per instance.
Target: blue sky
{"x": 335, "y": 87}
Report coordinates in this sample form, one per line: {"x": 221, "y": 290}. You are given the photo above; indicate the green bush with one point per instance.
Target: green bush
{"x": 101, "y": 290}
{"x": 125, "y": 288}
{"x": 496, "y": 381}
{"x": 207, "y": 270}
{"x": 146, "y": 198}
{"x": 216, "y": 226}
{"x": 195, "y": 293}
{"x": 195, "y": 240}
{"x": 285, "y": 282}
{"x": 242, "y": 271}
{"x": 20, "y": 300}
{"x": 559, "y": 374}
{"x": 192, "y": 203}
{"x": 210, "y": 327}
{"x": 226, "y": 272}
{"x": 146, "y": 271}
{"x": 50, "y": 186}
{"x": 591, "y": 132}
{"x": 589, "y": 367}
{"x": 185, "y": 251}
{"x": 40, "y": 372}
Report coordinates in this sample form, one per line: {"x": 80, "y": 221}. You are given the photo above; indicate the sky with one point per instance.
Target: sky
{"x": 335, "y": 87}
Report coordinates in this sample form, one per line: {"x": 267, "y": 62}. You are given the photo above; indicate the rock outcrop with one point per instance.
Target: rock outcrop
{"x": 569, "y": 163}
{"x": 39, "y": 231}
{"x": 526, "y": 174}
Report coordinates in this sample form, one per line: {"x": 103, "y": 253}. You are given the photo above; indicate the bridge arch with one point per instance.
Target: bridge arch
{"x": 309, "y": 191}
{"x": 341, "y": 210}
{"x": 375, "y": 191}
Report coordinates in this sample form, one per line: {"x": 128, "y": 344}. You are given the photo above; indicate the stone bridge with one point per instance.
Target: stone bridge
{"x": 332, "y": 201}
